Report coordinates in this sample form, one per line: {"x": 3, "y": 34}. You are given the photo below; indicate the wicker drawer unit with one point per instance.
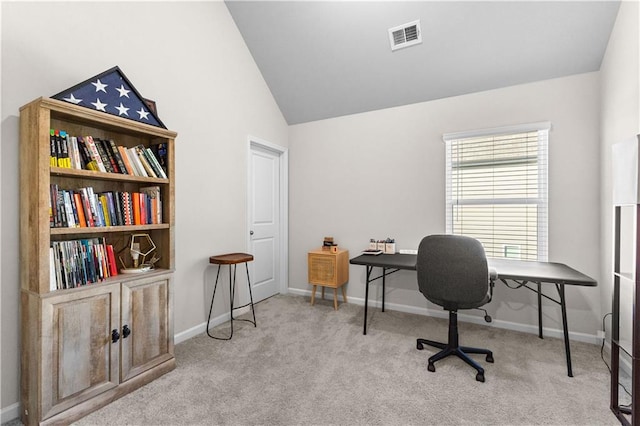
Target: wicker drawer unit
{"x": 328, "y": 269}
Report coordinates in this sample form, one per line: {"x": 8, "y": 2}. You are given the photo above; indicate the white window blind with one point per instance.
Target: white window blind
{"x": 497, "y": 189}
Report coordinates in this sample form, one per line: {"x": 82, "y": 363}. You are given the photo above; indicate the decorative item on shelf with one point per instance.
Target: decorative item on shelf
{"x": 140, "y": 246}
{"x": 387, "y": 246}
{"x": 329, "y": 245}
{"x": 111, "y": 92}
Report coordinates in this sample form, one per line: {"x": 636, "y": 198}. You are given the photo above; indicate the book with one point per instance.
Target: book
{"x": 53, "y": 156}
{"x": 108, "y": 165}
{"x": 68, "y": 206}
{"x": 125, "y": 160}
{"x": 82, "y": 219}
{"x": 53, "y": 282}
{"x": 127, "y": 211}
{"x": 156, "y": 165}
{"x": 87, "y": 162}
{"x": 116, "y": 156}
{"x": 86, "y": 204}
{"x": 111, "y": 257}
{"x": 95, "y": 155}
{"x": 154, "y": 200}
{"x": 63, "y": 149}
{"x": 135, "y": 207}
{"x": 133, "y": 156}
{"x": 143, "y": 159}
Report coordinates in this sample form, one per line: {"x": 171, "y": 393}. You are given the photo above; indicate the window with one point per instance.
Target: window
{"x": 497, "y": 189}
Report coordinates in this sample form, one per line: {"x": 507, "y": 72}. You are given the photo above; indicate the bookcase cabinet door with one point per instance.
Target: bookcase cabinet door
{"x": 79, "y": 359}
{"x": 146, "y": 316}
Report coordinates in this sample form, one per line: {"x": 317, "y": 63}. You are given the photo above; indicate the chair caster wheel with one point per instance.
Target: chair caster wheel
{"x": 480, "y": 377}
{"x": 490, "y": 358}
{"x": 419, "y": 346}
{"x": 431, "y": 368}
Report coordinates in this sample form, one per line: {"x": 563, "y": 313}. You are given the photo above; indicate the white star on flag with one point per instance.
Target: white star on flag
{"x": 72, "y": 99}
{"x": 123, "y": 91}
{"x": 100, "y": 86}
{"x": 122, "y": 110}
{"x": 99, "y": 105}
{"x": 143, "y": 114}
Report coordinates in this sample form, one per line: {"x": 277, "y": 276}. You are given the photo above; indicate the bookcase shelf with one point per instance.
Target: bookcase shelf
{"x": 107, "y": 229}
{"x": 96, "y": 175}
{"x": 83, "y": 347}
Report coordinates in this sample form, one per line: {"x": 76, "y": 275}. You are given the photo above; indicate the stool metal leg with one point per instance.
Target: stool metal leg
{"x": 215, "y": 287}
{"x": 253, "y": 311}
{"x": 232, "y": 291}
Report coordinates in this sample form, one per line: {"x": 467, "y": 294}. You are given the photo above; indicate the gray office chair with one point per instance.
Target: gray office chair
{"x": 453, "y": 273}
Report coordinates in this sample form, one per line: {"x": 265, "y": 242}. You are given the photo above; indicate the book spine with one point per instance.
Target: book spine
{"x": 111, "y": 257}
{"x": 53, "y": 156}
{"x": 133, "y": 156}
{"x": 104, "y": 155}
{"x": 125, "y": 159}
{"x": 64, "y": 143}
{"x": 94, "y": 206}
{"x": 85, "y": 157}
{"x": 116, "y": 156}
{"x": 82, "y": 219}
{"x": 155, "y": 164}
{"x": 143, "y": 159}
{"x": 71, "y": 209}
{"x": 95, "y": 155}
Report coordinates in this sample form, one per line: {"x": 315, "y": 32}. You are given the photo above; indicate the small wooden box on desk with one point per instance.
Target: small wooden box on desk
{"x": 328, "y": 269}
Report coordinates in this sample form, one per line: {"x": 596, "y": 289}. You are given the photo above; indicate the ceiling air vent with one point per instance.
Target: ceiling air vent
{"x": 405, "y": 35}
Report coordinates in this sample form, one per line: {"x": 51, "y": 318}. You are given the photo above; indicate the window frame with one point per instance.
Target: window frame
{"x": 541, "y": 201}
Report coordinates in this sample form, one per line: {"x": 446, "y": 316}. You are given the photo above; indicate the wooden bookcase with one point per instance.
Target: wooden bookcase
{"x": 84, "y": 347}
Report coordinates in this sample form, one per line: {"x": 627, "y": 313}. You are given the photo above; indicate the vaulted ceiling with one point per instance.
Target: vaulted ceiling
{"x": 324, "y": 59}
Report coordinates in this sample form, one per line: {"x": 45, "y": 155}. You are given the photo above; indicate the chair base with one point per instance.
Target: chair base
{"x": 452, "y": 348}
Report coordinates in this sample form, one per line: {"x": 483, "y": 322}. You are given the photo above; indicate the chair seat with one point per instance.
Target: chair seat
{"x": 231, "y": 258}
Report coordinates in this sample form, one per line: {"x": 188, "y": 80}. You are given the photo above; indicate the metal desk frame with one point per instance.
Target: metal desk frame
{"x": 519, "y": 271}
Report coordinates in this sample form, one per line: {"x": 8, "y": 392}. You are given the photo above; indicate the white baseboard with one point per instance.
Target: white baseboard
{"x": 507, "y": 325}
{"x": 9, "y": 413}
{"x": 202, "y": 328}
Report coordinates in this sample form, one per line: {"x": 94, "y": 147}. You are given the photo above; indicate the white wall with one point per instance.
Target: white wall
{"x": 187, "y": 56}
{"x": 620, "y": 120}
{"x": 382, "y": 174}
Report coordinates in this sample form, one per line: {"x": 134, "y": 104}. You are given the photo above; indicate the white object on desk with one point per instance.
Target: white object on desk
{"x": 408, "y": 251}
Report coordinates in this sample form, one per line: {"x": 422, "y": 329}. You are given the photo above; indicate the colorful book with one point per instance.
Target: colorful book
{"x": 95, "y": 155}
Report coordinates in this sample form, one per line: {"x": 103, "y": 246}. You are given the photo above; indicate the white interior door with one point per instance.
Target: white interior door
{"x": 267, "y": 201}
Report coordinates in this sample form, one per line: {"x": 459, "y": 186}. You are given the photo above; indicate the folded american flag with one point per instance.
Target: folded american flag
{"x": 113, "y": 93}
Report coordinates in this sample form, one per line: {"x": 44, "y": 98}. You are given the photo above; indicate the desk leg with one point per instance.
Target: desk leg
{"x": 540, "y": 310}
{"x": 565, "y": 328}
{"x": 366, "y": 299}
{"x": 384, "y": 275}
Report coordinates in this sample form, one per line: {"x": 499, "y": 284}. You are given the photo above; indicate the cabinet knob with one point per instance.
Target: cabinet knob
{"x": 126, "y": 331}
{"x": 250, "y": 232}
{"x": 115, "y": 336}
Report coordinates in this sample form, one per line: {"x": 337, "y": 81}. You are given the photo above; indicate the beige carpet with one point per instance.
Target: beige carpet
{"x": 311, "y": 365}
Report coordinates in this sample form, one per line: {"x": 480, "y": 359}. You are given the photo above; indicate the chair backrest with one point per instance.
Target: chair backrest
{"x": 453, "y": 272}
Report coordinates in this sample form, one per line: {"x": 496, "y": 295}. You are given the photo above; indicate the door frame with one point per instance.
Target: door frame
{"x": 283, "y": 153}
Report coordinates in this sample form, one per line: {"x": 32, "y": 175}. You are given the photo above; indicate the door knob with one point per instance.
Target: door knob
{"x": 250, "y": 232}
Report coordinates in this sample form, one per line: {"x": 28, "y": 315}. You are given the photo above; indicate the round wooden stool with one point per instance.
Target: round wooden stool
{"x": 232, "y": 259}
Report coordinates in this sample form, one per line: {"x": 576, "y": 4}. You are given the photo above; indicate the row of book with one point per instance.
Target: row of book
{"x": 76, "y": 263}
{"x": 89, "y": 153}
{"x": 84, "y": 207}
